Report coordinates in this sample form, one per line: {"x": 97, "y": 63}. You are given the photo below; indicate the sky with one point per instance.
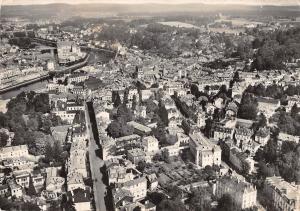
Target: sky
{"x": 248, "y": 2}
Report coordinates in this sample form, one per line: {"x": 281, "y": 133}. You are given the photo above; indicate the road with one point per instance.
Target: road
{"x": 95, "y": 164}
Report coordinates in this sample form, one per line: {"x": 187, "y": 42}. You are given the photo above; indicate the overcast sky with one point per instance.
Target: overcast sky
{"x": 255, "y": 2}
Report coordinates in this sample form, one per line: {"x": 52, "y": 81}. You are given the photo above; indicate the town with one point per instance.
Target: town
{"x": 162, "y": 113}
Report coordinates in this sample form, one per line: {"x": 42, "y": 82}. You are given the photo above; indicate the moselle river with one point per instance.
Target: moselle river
{"x": 36, "y": 86}
{"x": 95, "y": 57}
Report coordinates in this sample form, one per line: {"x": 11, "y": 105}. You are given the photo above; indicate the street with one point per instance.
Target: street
{"x": 95, "y": 164}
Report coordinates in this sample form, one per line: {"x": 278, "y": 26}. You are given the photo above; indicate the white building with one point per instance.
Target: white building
{"x": 13, "y": 152}
{"x": 150, "y": 144}
{"x": 204, "y": 151}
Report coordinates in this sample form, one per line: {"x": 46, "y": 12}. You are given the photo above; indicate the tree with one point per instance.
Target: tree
{"x": 117, "y": 100}
{"x": 294, "y": 111}
{"x": 171, "y": 205}
{"x": 67, "y": 204}
{"x": 236, "y": 76}
{"x": 134, "y": 102}
{"x": 141, "y": 166}
{"x": 31, "y": 190}
{"x": 248, "y": 107}
{"x": 3, "y": 139}
{"x": 49, "y": 152}
{"x": 200, "y": 199}
{"x": 118, "y": 129}
{"x": 57, "y": 151}
{"x": 226, "y": 203}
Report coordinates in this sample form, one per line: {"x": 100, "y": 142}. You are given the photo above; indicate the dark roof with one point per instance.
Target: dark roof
{"x": 79, "y": 195}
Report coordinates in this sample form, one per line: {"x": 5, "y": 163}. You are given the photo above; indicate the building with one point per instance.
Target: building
{"x": 244, "y": 194}
{"x": 241, "y": 161}
{"x": 136, "y": 155}
{"x": 137, "y": 187}
{"x": 9, "y": 76}
{"x": 150, "y": 144}
{"x": 152, "y": 181}
{"x": 4, "y": 191}
{"x": 127, "y": 142}
{"x": 283, "y": 195}
{"x": 204, "y": 151}
{"x": 139, "y": 128}
{"x": 74, "y": 181}
{"x": 54, "y": 182}
{"x": 267, "y": 106}
{"x": 81, "y": 199}
{"x": 243, "y": 136}
{"x": 15, "y": 189}
{"x": 262, "y": 136}
{"x": 13, "y": 152}
{"x": 22, "y": 179}
{"x": 287, "y": 137}
{"x": 221, "y": 133}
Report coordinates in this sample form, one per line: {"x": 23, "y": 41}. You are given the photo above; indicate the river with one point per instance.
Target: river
{"x": 30, "y": 87}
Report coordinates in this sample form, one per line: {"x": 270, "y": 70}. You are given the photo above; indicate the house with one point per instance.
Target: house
{"x": 231, "y": 109}
{"x": 38, "y": 180}
{"x": 222, "y": 132}
{"x": 292, "y": 101}
{"x": 262, "y": 136}
{"x": 22, "y": 178}
{"x": 127, "y": 142}
{"x": 136, "y": 155}
{"x": 283, "y": 195}
{"x": 150, "y": 144}
{"x": 288, "y": 137}
{"x": 13, "y": 152}
{"x": 243, "y": 136}
{"x": 182, "y": 139}
{"x": 137, "y": 188}
{"x": 15, "y": 189}
{"x": 171, "y": 151}
{"x": 243, "y": 193}
{"x": 81, "y": 199}
{"x": 4, "y": 191}
{"x": 119, "y": 174}
{"x": 146, "y": 94}
{"x": 204, "y": 151}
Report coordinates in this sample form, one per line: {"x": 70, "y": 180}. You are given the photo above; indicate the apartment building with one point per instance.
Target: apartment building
{"x": 284, "y": 196}
{"x": 244, "y": 194}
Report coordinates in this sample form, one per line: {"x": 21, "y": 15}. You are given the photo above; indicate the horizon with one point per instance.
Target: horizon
{"x": 163, "y": 2}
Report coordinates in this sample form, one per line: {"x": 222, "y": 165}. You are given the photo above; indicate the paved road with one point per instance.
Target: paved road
{"x": 95, "y": 164}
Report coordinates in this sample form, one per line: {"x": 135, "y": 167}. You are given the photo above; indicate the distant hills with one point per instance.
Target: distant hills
{"x": 98, "y": 10}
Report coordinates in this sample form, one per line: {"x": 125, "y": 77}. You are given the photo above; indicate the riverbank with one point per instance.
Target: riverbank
{"x": 24, "y": 83}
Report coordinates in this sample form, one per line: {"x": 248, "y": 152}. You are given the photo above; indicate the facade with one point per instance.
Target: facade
{"x": 244, "y": 194}
{"x": 204, "y": 151}
{"x": 150, "y": 144}
{"x": 13, "y": 152}
{"x": 221, "y": 133}
{"x": 137, "y": 187}
{"x": 284, "y": 196}
{"x": 136, "y": 155}
{"x": 22, "y": 179}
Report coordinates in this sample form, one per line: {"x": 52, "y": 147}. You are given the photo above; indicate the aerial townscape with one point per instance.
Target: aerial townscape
{"x": 145, "y": 107}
